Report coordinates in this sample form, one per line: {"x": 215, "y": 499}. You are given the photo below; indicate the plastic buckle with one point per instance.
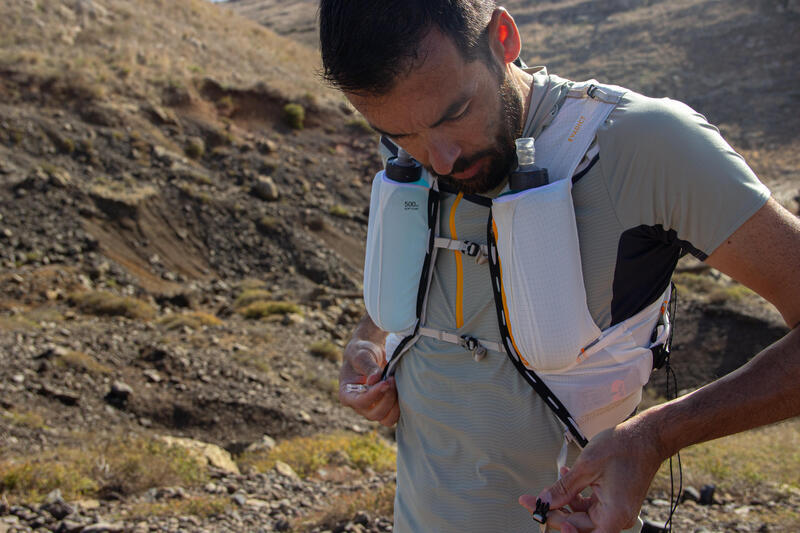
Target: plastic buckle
{"x": 540, "y": 513}
{"x": 591, "y": 90}
{"x": 469, "y": 342}
{"x": 472, "y": 249}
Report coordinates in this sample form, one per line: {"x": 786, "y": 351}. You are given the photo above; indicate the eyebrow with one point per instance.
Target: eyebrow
{"x": 448, "y": 113}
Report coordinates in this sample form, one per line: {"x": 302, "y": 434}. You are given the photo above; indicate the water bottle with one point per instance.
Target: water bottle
{"x": 404, "y": 169}
{"x": 527, "y": 175}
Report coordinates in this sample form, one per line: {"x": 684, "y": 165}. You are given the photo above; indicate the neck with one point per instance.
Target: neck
{"x": 522, "y": 81}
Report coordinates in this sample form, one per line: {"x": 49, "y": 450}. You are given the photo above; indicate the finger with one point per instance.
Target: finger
{"x": 363, "y": 401}
{"x": 582, "y": 503}
{"x": 381, "y": 408}
{"x": 394, "y": 415}
{"x": 563, "y": 521}
{"x": 564, "y": 490}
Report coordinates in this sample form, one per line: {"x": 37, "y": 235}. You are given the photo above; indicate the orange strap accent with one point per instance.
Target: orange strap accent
{"x": 459, "y": 265}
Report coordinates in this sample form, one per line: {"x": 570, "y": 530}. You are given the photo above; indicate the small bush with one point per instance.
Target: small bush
{"x": 295, "y": 115}
{"x": 339, "y": 211}
{"x": 306, "y": 455}
{"x": 261, "y": 309}
{"x": 249, "y": 296}
{"x": 194, "y": 320}
{"x": 128, "y": 465}
{"x": 194, "y": 148}
{"x": 201, "y": 506}
{"x": 28, "y": 419}
{"x": 82, "y": 362}
{"x": 326, "y": 350}
{"x": 109, "y": 304}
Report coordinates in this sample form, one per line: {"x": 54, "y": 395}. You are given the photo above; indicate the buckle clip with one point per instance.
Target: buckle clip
{"x": 469, "y": 342}
{"x": 473, "y": 345}
{"x": 472, "y": 249}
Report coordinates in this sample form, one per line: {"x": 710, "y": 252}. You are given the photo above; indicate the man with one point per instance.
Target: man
{"x": 438, "y": 78}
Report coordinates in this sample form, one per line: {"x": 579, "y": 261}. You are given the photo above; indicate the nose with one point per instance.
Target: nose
{"x": 442, "y": 155}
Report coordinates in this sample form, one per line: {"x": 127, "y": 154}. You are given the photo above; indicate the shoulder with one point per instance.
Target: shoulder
{"x": 655, "y": 124}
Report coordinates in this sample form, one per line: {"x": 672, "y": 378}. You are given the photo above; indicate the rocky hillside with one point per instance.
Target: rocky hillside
{"x": 181, "y": 224}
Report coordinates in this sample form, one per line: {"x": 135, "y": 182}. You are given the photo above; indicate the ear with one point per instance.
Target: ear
{"x": 504, "y": 39}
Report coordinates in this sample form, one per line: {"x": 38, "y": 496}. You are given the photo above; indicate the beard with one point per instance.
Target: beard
{"x": 501, "y": 155}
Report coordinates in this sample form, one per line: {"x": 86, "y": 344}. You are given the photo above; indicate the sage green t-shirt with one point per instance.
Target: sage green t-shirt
{"x": 473, "y": 436}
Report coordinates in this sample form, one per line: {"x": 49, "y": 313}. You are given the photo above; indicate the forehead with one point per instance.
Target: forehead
{"x": 438, "y": 76}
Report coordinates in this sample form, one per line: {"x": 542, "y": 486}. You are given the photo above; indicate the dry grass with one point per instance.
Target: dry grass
{"x": 306, "y": 455}
{"x": 135, "y": 50}
{"x": 82, "y": 362}
{"x": 192, "y": 319}
{"x": 127, "y": 465}
{"x": 261, "y": 309}
{"x": 27, "y": 419}
{"x": 105, "y": 303}
{"x": 326, "y": 350}
{"x": 378, "y": 502}
{"x": 249, "y": 296}
{"x": 754, "y": 462}
{"x": 201, "y": 506}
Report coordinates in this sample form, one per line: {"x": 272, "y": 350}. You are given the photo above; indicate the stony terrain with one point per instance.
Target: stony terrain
{"x": 150, "y": 155}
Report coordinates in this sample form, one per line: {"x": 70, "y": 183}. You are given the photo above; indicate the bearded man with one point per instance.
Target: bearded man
{"x": 442, "y": 79}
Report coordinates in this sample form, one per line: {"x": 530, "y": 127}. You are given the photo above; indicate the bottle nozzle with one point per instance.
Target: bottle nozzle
{"x": 404, "y": 159}
{"x": 526, "y": 152}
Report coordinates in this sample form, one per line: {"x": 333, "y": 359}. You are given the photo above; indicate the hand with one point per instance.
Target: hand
{"x": 362, "y": 364}
{"x": 618, "y": 465}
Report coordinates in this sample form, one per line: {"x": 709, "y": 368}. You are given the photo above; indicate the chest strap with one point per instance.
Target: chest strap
{"x": 473, "y": 249}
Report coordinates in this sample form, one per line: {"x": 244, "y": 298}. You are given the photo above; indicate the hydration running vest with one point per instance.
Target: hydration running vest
{"x": 591, "y": 379}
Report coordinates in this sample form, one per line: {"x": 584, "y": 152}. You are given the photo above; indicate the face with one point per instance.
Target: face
{"x": 458, "y": 118}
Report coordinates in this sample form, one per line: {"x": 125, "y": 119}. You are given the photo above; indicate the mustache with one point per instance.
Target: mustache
{"x": 463, "y": 163}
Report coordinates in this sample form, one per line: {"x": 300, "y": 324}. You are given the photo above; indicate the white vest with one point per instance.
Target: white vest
{"x": 591, "y": 379}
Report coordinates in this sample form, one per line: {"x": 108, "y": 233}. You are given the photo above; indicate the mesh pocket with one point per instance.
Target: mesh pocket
{"x": 545, "y": 299}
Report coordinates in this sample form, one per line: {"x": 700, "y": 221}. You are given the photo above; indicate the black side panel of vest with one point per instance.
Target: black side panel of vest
{"x": 646, "y": 258}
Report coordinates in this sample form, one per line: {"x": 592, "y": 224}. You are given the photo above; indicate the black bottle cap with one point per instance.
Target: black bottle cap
{"x": 404, "y": 173}
{"x": 528, "y": 179}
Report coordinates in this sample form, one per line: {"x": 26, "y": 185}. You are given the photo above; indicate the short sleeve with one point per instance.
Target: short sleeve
{"x": 664, "y": 164}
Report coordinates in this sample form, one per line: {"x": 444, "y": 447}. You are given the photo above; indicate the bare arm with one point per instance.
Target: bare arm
{"x": 620, "y": 463}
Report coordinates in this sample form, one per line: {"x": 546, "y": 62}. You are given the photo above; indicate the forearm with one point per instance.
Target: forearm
{"x": 765, "y": 390}
{"x": 366, "y": 330}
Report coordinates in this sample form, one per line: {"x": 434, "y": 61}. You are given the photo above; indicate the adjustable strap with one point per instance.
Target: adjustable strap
{"x": 661, "y": 339}
{"x": 473, "y": 249}
{"x": 527, "y": 374}
{"x": 478, "y": 347}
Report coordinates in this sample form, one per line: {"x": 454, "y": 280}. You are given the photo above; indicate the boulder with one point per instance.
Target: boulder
{"x": 208, "y": 454}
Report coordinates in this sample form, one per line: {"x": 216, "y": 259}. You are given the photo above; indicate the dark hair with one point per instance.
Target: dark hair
{"x": 366, "y": 44}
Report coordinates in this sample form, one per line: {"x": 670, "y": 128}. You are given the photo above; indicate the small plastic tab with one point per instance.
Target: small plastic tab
{"x": 540, "y": 513}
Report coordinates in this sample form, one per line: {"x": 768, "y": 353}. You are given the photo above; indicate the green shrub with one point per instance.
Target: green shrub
{"x": 295, "y": 115}
{"x": 339, "y": 211}
{"x": 107, "y": 303}
{"x": 261, "y": 309}
{"x": 194, "y": 149}
{"x": 326, "y": 350}
{"x": 194, "y": 320}
{"x": 127, "y": 465}
{"x": 308, "y": 454}
{"x": 249, "y": 296}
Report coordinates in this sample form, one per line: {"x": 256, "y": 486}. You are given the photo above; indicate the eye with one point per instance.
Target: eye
{"x": 461, "y": 114}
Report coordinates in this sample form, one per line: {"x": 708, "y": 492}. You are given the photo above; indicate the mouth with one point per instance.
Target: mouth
{"x": 471, "y": 171}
